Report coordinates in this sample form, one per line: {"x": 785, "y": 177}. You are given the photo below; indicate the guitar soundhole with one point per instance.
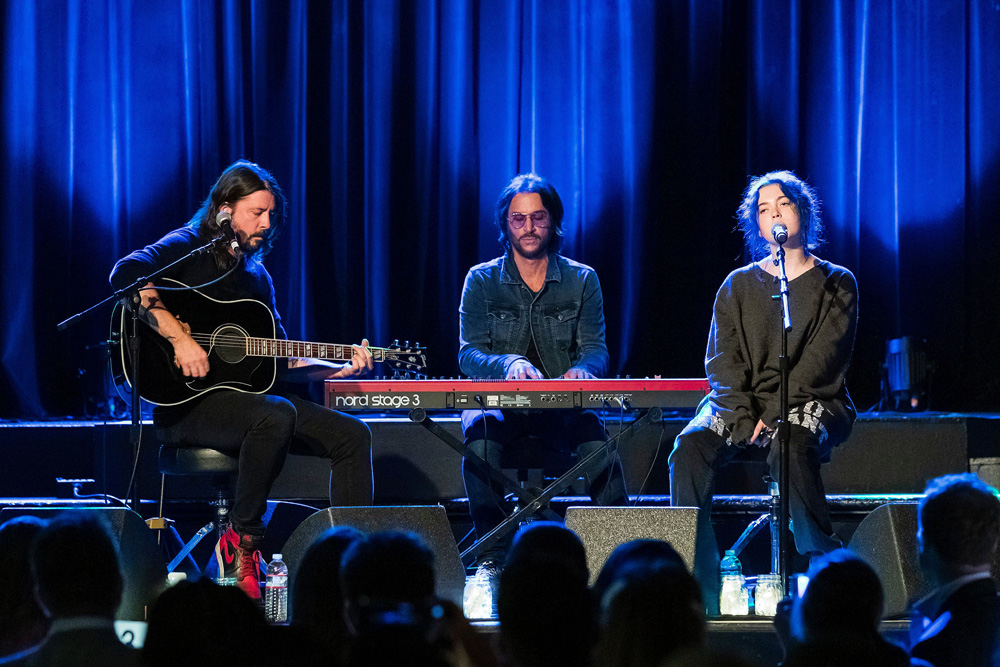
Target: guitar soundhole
{"x": 229, "y": 344}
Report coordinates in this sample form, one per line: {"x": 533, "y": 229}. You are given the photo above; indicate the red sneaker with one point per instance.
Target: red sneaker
{"x": 238, "y": 557}
{"x": 226, "y": 550}
{"x": 248, "y": 573}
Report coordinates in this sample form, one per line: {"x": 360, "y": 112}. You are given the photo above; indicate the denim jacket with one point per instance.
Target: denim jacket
{"x": 499, "y": 314}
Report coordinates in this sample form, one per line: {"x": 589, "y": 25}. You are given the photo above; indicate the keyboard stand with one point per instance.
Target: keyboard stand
{"x": 529, "y": 502}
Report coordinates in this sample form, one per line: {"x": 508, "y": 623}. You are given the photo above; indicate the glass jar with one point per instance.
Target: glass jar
{"x": 734, "y": 599}
{"x": 767, "y": 594}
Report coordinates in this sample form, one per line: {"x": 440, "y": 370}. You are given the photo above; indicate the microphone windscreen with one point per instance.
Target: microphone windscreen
{"x": 779, "y": 232}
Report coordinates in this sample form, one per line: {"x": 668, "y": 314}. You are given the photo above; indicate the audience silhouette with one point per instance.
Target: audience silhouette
{"x": 650, "y": 611}
{"x": 630, "y": 554}
{"x": 23, "y": 624}
{"x": 198, "y": 622}
{"x": 317, "y": 600}
{"x": 957, "y": 624}
{"x": 836, "y": 621}
{"x": 370, "y": 600}
{"x": 547, "y": 614}
{"x": 78, "y": 583}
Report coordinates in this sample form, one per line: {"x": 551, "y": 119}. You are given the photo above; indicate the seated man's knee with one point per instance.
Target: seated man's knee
{"x": 360, "y": 435}
{"x": 279, "y": 414}
{"x": 486, "y": 449}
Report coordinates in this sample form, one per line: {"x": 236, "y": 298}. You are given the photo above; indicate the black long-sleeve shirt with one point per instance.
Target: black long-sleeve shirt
{"x": 250, "y": 280}
{"x": 744, "y": 345}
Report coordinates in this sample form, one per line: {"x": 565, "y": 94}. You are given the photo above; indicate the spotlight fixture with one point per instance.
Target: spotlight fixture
{"x": 907, "y": 374}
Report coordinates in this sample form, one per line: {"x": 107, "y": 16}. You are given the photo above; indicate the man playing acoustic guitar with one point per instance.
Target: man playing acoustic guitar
{"x": 261, "y": 428}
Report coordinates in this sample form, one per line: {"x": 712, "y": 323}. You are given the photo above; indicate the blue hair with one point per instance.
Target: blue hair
{"x": 802, "y": 196}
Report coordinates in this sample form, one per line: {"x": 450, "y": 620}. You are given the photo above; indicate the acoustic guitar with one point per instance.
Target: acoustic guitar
{"x": 239, "y": 337}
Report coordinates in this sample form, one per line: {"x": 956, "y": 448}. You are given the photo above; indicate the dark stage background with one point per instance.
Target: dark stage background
{"x": 393, "y": 126}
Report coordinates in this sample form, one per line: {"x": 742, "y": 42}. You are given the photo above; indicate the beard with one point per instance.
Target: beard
{"x": 535, "y": 251}
{"x": 251, "y": 244}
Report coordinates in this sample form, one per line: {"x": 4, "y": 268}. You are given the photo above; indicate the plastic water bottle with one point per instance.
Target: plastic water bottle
{"x": 276, "y": 591}
{"x": 734, "y": 598}
{"x": 731, "y": 564}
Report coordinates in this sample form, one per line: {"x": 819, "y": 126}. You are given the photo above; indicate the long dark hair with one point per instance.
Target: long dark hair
{"x": 531, "y": 182}
{"x": 806, "y": 204}
{"x": 240, "y": 179}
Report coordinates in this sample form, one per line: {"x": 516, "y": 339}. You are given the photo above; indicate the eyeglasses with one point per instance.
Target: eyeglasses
{"x": 538, "y": 218}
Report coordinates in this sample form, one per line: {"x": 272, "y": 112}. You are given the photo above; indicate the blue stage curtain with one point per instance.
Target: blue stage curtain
{"x": 393, "y": 126}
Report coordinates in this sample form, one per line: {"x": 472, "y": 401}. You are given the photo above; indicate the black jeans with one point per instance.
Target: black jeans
{"x": 263, "y": 429}
{"x": 568, "y": 431}
{"x": 699, "y": 452}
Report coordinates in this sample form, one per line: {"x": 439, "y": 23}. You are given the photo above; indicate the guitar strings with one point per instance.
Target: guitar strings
{"x": 243, "y": 343}
{"x": 240, "y": 341}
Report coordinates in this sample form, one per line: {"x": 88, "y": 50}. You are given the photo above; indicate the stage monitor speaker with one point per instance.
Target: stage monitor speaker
{"x": 141, "y": 560}
{"x": 429, "y": 522}
{"x": 887, "y": 540}
{"x": 602, "y": 529}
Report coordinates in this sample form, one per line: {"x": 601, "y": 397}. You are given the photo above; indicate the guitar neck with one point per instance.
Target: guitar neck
{"x": 276, "y": 347}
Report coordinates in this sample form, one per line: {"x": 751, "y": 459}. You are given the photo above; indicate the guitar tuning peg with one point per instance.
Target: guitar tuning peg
{"x": 395, "y": 342}
{"x": 406, "y": 344}
{"x": 416, "y": 344}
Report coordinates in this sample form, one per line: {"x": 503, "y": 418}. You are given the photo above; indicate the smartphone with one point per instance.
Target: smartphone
{"x": 801, "y": 582}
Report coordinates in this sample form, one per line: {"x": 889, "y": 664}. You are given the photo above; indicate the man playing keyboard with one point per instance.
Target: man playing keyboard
{"x": 531, "y": 313}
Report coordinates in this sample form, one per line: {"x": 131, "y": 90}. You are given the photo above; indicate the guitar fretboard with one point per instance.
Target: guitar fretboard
{"x": 275, "y": 347}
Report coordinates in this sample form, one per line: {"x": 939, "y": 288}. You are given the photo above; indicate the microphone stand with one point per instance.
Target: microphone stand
{"x": 131, "y": 293}
{"x": 783, "y": 430}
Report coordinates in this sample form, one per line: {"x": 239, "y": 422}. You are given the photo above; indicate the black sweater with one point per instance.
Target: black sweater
{"x": 745, "y": 342}
{"x": 250, "y": 280}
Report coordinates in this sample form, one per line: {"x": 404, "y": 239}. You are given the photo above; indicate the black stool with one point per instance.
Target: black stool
{"x": 221, "y": 466}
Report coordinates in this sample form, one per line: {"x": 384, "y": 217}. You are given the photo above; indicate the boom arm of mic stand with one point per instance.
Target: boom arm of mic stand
{"x": 137, "y": 285}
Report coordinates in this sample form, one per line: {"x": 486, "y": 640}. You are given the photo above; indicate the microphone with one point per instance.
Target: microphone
{"x": 225, "y": 222}
{"x": 780, "y": 233}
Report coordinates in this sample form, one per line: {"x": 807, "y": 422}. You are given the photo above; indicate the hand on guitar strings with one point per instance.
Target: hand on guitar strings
{"x": 189, "y": 356}
{"x": 360, "y": 364}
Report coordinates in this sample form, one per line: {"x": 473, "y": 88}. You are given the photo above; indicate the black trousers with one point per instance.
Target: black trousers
{"x": 263, "y": 429}
{"x": 699, "y": 452}
{"x": 566, "y": 431}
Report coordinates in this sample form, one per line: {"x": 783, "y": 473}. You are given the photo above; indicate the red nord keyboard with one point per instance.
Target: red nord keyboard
{"x": 525, "y": 394}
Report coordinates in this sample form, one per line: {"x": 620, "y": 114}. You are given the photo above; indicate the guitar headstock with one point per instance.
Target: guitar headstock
{"x": 407, "y": 359}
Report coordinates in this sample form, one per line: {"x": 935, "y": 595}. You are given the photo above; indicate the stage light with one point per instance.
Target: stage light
{"x": 907, "y": 374}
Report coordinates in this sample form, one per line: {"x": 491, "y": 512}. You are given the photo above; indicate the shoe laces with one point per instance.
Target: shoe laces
{"x": 249, "y": 564}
